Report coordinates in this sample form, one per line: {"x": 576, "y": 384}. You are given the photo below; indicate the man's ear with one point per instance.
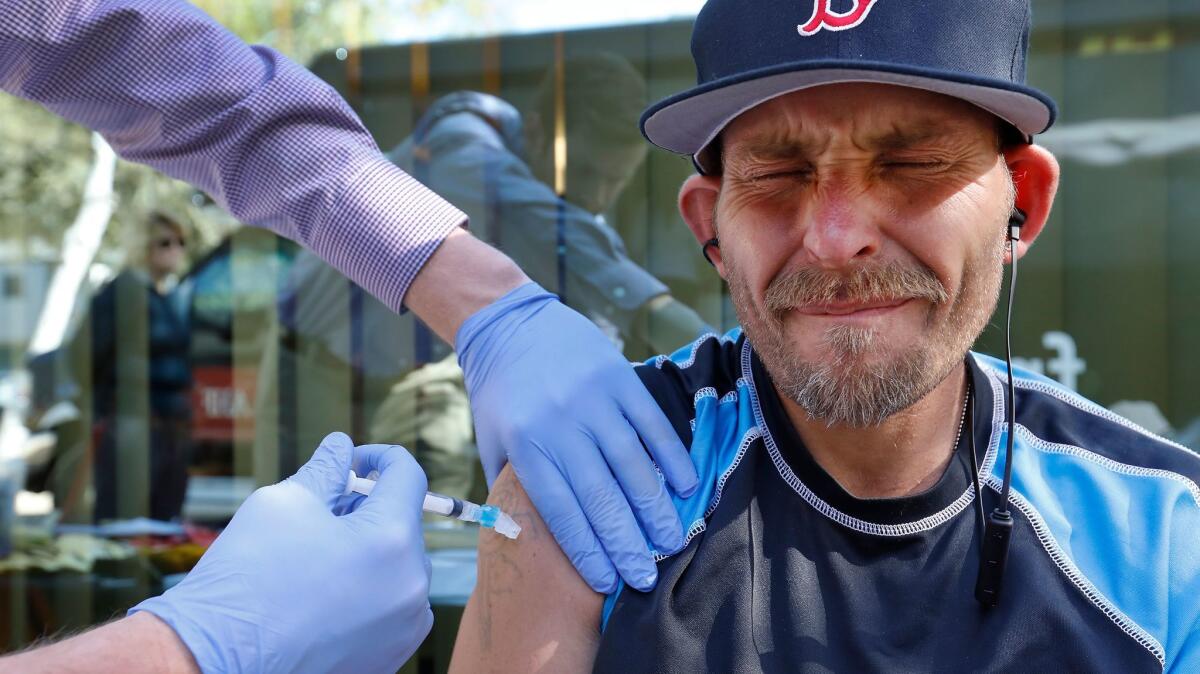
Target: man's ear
{"x": 698, "y": 205}
{"x": 1035, "y": 174}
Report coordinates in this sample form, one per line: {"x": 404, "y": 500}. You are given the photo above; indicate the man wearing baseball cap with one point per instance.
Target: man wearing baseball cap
{"x": 866, "y": 171}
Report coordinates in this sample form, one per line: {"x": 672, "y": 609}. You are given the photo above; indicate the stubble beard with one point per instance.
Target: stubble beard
{"x": 848, "y": 387}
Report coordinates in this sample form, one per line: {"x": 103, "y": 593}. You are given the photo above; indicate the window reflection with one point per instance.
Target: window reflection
{"x": 538, "y": 185}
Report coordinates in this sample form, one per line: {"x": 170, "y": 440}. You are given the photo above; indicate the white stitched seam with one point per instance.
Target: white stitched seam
{"x": 696, "y": 529}
{"x": 785, "y": 471}
{"x": 710, "y": 392}
{"x": 706, "y": 392}
{"x": 691, "y": 359}
{"x": 1073, "y": 574}
{"x": 1105, "y": 462}
{"x": 998, "y": 423}
{"x": 1085, "y": 405}
{"x": 750, "y": 436}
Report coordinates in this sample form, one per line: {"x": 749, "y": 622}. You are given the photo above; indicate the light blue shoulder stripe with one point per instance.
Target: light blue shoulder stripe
{"x": 1025, "y": 379}
{"x": 1124, "y": 535}
{"x": 723, "y": 431}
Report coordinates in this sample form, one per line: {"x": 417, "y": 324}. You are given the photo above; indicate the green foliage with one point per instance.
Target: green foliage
{"x": 45, "y": 164}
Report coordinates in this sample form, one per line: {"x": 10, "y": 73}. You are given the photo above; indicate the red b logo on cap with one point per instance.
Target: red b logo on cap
{"x": 825, "y": 17}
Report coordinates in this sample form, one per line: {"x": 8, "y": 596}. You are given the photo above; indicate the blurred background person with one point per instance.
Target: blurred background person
{"x": 134, "y": 345}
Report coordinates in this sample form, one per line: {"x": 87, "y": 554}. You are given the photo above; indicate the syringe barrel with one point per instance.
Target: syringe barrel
{"x": 440, "y": 504}
{"x": 470, "y": 512}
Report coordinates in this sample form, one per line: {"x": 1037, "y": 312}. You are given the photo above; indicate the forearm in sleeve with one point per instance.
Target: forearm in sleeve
{"x": 169, "y": 87}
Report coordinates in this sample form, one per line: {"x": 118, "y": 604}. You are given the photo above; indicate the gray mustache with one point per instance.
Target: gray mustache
{"x": 879, "y": 283}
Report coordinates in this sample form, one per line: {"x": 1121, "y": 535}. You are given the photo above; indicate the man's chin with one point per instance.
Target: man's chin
{"x": 855, "y": 358}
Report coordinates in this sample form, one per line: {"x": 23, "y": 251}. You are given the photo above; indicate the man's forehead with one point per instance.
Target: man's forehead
{"x": 881, "y": 116}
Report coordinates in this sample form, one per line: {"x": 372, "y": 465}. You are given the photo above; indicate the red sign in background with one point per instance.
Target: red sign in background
{"x": 223, "y": 403}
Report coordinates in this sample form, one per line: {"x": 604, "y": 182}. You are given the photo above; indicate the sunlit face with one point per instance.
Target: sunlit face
{"x": 862, "y": 230}
{"x": 167, "y": 250}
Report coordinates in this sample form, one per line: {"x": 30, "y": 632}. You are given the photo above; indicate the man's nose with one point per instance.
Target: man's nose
{"x": 840, "y": 229}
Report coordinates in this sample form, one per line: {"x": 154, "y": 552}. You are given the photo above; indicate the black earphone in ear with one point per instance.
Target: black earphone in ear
{"x": 711, "y": 243}
{"x": 998, "y": 529}
{"x": 1015, "y": 222}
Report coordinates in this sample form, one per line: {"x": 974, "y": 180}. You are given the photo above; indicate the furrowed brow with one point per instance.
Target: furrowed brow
{"x": 925, "y": 133}
{"x": 772, "y": 148}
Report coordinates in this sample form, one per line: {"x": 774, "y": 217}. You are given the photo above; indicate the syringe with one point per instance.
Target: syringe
{"x": 488, "y": 516}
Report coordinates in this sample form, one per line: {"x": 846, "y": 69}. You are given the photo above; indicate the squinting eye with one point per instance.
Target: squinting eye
{"x": 915, "y": 165}
{"x": 780, "y": 175}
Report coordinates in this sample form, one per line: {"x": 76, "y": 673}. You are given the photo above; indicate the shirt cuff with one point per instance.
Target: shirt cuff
{"x": 383, "y": 228}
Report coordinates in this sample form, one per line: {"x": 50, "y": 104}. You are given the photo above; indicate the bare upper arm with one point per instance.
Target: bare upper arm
{"x": 530, "y": 611}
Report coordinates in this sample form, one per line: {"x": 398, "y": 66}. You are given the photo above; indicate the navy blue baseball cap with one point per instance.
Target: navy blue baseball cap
{"x": 750, "y": 51}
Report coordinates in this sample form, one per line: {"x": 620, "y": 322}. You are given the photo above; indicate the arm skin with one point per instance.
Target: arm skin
{"x": 443, "y": 296}
{"x": 530, "y": 611}
{"x": 135, "y": 645}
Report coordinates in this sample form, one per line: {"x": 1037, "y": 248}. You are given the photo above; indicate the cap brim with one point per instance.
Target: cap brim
{"x": 688, "y": 122}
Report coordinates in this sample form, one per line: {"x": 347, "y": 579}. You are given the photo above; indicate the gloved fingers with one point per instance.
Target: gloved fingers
{"x": 560, "y": 510}
{"x": 634, "y": 471}
{"x": 351, "y": 502}
{"x": 347, "y": 504}
{"x": 491, "y": 452}
{"x": 400, "y": 488}
{"x": 324, "y": 475}
{"x": 608, "y": 512}
{"x": 419, "y": 629}
{"x": 660, "y": 437}
{"x": 368, "y": 458}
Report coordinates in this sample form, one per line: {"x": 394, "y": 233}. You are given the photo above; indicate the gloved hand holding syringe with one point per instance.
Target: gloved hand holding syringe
{"x": 488, "y": 516}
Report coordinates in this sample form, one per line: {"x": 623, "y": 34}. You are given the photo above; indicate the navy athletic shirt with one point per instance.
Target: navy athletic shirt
{"x": 784, "y": 571}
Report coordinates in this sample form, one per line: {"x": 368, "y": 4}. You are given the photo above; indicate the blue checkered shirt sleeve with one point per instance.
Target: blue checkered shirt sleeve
{"x": 169, "y": 87}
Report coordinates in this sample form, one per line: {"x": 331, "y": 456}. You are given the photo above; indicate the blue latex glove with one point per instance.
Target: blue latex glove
{"x": 547, "y": 386}
{"x": 289, "y": 586}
